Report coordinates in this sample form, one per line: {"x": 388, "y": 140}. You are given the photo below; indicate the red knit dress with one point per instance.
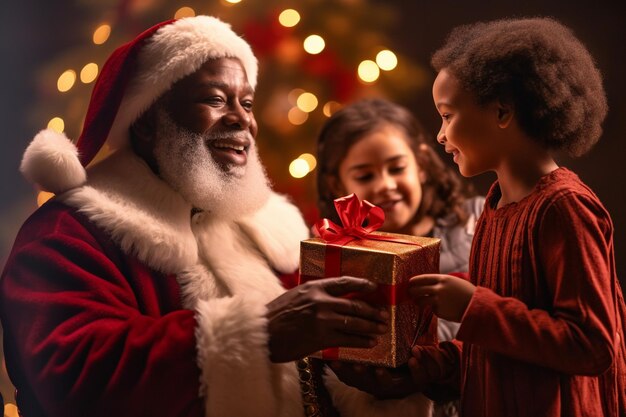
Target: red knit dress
{"x": 543, "y": 334}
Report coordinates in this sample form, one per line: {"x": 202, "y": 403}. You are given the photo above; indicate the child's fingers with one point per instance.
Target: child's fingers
{"x": 422, "y": 286}
{"x": 424, "y": 280}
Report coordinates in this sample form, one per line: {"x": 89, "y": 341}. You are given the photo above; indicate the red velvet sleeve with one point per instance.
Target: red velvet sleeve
{"x": 443, "y": 366}
{"x": 574, "y": 248}
{"x": 86, "y": 336}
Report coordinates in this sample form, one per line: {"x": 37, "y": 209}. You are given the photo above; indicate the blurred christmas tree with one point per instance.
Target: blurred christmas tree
{"x": 314, "y": 55}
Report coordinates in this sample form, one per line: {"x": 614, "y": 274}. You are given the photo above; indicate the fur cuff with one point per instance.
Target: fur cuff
{"x": 51, "y": 162}
{"x": 236, "y": 375}
{"x": 351, "y": 402}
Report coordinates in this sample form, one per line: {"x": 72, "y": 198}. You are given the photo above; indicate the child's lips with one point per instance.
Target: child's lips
{"x": 388, "y": 204}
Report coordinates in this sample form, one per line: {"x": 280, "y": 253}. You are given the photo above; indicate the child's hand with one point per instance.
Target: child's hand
{"x": 383, "y": 383}
{"x": 447, "y": 295}
{"x": 422, "y": 367}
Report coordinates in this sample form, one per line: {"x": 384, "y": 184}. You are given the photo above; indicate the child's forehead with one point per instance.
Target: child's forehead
{"x": 448, "y": 89}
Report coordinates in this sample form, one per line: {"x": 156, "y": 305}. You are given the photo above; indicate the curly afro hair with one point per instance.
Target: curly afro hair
{"x": 538, "y": 66}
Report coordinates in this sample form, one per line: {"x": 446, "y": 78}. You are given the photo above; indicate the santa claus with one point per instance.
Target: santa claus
{"x": 151, "y": 284}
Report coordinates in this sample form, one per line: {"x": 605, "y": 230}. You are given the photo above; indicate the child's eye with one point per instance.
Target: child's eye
{"x": 363, "y": 178}
{"x": 446, "y": 116}
{"x": 397, "y": 170}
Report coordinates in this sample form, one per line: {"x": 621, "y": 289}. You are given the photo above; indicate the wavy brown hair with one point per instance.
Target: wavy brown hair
{"x": 443, "y": 193}
{"x": 538, "y": 66}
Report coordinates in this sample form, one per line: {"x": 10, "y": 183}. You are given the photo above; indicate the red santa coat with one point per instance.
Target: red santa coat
{"x": 115, "y": 301}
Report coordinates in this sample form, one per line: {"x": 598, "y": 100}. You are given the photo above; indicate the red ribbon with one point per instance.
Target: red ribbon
{"x": 352, "y": 214}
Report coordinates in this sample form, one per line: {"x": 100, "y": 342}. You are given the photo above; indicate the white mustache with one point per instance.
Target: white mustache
{"x": 210, "y": 137}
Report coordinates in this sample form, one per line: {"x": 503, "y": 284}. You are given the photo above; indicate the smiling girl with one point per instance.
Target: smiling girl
{"x": 377, "y": 150}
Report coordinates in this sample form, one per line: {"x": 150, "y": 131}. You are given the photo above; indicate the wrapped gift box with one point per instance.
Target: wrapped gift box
{"x": 390, "y": 264}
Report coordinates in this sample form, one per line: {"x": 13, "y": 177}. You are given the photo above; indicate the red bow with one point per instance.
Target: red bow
{"x": 352, "y": 214}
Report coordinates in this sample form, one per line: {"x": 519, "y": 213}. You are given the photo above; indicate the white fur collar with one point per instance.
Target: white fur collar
{"x": 242, "y": 256}
{"x": 140, "y": 212}
{"x": 151, "y": 221}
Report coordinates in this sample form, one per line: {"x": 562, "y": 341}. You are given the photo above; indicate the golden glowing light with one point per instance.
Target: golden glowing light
{"x": 297, "y": 116}
{"x": 307, "y": 102}
{"x": 66, "y": 81}
{"x": 330, "y": 107}
{"x": 57, "y": 124}
{"x": 293, "y": 95}
{"x": 298, "y": 168}
{"x": 368, "y": 71}
{"x": 101, "y": 34}
{"x": 314, "y": 44}
{"x": 310, "y": 160}
{"x": 184, "y": 12}
{"x": 386, "y": 60}
{"x": 289, "y": 18}
{"x": 89, "y": 73}
{"x": 233, "y": 1}
{"x": 42, "y": 197}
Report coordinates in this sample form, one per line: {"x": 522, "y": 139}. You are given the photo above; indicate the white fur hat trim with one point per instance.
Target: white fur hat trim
{"x": 51, "y": 161}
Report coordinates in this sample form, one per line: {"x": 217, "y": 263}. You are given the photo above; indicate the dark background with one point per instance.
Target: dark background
{"x": 33, "y": 32}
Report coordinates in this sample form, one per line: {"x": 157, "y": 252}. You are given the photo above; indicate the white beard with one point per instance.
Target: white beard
{"x": 186, "y": 164}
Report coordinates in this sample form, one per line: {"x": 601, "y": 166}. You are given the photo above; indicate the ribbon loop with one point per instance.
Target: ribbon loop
{"x": 353, "y": 214}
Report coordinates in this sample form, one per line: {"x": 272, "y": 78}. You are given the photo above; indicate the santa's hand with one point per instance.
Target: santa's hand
{"x": 448, "y": 296}
{"x": 314, "y": 316}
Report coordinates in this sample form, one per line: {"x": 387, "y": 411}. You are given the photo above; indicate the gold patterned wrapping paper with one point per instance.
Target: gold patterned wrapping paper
{"x": 391, "y": 265}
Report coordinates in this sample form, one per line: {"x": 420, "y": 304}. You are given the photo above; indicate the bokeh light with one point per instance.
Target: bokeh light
{"x": 57, "y": 124}
{"x": 293, "y": 95}
{"x": 314, "y": 44}
{"x": 184, "y": 11}
{"x": 66, "y": 81}
{"x": 330, "y": 108}
{"x": 299, "y": 168}
{"x": 368, "y": 71}
{"x": 297, "y": 116}
{"x": 307, "y": 102}
{"x": 386, "y": 60}
{"x": 101, "y": 34}
{"x": 310, "y": 160}
{"x": 289, "y": 18}
{"x": 89, "y": 73}
{"x": 42, "y": 197}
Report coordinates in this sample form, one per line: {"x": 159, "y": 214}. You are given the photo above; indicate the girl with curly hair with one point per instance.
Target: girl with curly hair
{"x": 542, "y": 316}
{"x": 380, "y": 152}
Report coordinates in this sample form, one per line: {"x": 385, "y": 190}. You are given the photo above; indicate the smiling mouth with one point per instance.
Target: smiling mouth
{"x": 230, "y": 152}
{"x": 388, "y": 205}
{"x": 239, "y": 149}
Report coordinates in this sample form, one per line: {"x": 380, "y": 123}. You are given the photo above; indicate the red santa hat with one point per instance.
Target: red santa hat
{"x": 131, "y": 80}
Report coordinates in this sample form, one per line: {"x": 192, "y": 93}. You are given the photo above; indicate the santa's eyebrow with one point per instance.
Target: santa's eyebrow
{"x": 222, "y": 86}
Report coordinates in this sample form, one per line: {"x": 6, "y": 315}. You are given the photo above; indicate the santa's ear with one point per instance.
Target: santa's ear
{"x": 144, "y": 128}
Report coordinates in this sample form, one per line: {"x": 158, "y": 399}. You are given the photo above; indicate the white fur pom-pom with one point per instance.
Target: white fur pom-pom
{"x": 51, "y": 161}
